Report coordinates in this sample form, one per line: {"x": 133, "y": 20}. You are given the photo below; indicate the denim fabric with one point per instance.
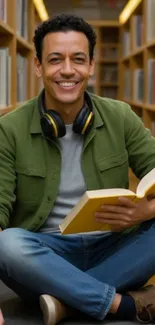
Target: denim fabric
{"x": 83, "y": 271}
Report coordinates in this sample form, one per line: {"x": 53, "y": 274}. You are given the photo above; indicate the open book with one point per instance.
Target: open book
{"x": 82, "y": 216}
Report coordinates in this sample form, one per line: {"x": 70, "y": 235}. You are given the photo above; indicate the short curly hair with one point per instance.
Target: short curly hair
{"x": 64, "y": 23}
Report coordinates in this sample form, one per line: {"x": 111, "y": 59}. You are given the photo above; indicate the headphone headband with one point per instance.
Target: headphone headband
{"x": 53, "y": 125}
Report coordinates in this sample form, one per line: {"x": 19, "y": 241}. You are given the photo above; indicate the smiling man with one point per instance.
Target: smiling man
{"x": 65, "y": 66}
{"x": 54, "y": 148}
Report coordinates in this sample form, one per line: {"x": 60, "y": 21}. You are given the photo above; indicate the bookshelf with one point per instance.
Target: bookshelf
{"x": 105, "y": 80}
{"x": 137, "y": 60}
{"x": 17, "y": 77}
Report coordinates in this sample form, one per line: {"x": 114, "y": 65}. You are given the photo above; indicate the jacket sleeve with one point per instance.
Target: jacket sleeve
{"x": 7, "y": 176}
{"x": 139, "y": 143}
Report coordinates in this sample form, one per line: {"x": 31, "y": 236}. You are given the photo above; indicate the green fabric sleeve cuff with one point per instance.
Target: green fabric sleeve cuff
{"x": 3, "y": 222}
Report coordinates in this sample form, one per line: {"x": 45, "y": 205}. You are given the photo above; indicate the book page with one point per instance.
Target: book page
{"x": 147, "y": 185}
{"x": 110, "y": 192}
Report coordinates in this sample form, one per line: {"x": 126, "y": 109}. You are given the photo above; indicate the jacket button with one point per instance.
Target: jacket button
{"x": 40, "y": 218}
{"x": 49, "y": 198}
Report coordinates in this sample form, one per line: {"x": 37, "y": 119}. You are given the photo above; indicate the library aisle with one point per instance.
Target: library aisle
{"x": 124, "y": 70}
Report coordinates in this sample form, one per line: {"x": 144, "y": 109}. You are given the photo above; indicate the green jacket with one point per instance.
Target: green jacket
{"x": 30, "y": 164}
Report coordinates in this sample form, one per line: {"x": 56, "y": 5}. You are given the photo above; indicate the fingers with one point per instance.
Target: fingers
{"x": 1, "y": 318}
{"x": 120, "y": 223}
{"x": 112, "y": 216}
{"x": 116, "y": 210}
{"x": 126, "y": 202}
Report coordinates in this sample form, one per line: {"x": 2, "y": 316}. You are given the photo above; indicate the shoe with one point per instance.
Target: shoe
{"x": 53, "y": 310}
{"x": 145, "y": 303}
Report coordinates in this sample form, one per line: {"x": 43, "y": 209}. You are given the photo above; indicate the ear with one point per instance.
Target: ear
{"x": 92, "y": 68}
{"x": 38, "y": 67}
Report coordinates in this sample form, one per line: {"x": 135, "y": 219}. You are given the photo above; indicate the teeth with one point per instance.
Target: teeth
{"x": 67, "y": 84}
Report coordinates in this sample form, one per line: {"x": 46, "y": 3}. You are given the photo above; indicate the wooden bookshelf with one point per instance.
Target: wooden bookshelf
{"x": 137, "y": 61}
{"x": 16, "y": 41}
{"x": 105, "y": 81}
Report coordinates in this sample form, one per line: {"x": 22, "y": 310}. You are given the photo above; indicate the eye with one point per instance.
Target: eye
{"x": 54, "y": 60}
{"x": 79, "y": 60}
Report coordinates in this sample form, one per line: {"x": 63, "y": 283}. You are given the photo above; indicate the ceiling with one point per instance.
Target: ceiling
{"x": 88, "y": 9}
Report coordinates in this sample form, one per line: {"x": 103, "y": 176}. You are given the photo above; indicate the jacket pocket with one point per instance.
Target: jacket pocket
{"x": 114, "y": 170}
{"x": 30, "y": 182}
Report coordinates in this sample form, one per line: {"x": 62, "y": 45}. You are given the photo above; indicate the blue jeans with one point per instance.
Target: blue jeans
{"x": 82, "y": 271}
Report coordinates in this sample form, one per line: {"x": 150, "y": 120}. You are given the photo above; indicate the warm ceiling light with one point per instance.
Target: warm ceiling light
{"x": 40, "y": 7}
{"x": 128, "y": 10}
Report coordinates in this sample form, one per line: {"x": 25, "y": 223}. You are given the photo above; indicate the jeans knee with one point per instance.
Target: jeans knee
{"x": 10, "y": 244}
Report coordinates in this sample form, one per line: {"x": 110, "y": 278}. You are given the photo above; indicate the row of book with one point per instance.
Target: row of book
{"x": 109, "y": 52}
{"x": 22, "y": 18}
{"x": 21, "y": 78}
{"x": 5, "y": 78}
{"x": 138, "y": 80}
{"x": 109, "y": 92}
{"x": 138, "y": 91}
{"x": 138, "y": 29}
{"x": 151, "y": 81}
{"x": 136, "y": 38}
{"x": 109, "y": 73}
{"x": 22, "y": 15}
{"x": 3, "y": 10}
{"x": 127, "y": 84}
{"x": 150, "y": 30}
{"x": 126, "y": 41}
{"x": 106, "y": 52}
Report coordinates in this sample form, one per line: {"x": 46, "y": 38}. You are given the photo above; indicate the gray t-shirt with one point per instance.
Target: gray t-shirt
{"x": 72, "y": 185}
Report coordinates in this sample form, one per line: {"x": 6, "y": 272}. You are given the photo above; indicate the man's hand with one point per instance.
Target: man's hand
{"x": 0, "y": 229}
{"x": 127, "y": 214}
{"x": 1, "y": 318}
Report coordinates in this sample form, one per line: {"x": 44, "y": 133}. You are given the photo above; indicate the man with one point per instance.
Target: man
{"x": 53, "y": 149}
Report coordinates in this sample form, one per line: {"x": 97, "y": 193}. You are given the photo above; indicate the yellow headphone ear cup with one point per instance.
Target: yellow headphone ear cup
{"x": 53, "y": 124}
{"x": 87, "y": 123}
{"x": 83, "y": 121}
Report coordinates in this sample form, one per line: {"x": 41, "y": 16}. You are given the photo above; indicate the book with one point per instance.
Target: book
{"x": 82, "y": 216}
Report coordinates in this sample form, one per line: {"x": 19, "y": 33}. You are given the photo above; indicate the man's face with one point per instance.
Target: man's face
{"x": 65, "y": 66}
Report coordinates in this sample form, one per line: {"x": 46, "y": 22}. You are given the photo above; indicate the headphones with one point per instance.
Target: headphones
{"x": 53, "y": 125}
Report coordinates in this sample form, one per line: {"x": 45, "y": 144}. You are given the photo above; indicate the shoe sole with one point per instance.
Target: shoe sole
{"x": 48, "y": 309}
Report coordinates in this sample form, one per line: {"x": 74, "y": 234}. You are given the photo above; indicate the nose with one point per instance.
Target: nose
{"x": 67, "y": 68}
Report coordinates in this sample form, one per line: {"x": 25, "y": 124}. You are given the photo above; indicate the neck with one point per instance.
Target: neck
{"x": 67, "y": 111}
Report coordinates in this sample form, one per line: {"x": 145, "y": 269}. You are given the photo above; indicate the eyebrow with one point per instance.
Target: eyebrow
{"x": 58, "y": 54}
